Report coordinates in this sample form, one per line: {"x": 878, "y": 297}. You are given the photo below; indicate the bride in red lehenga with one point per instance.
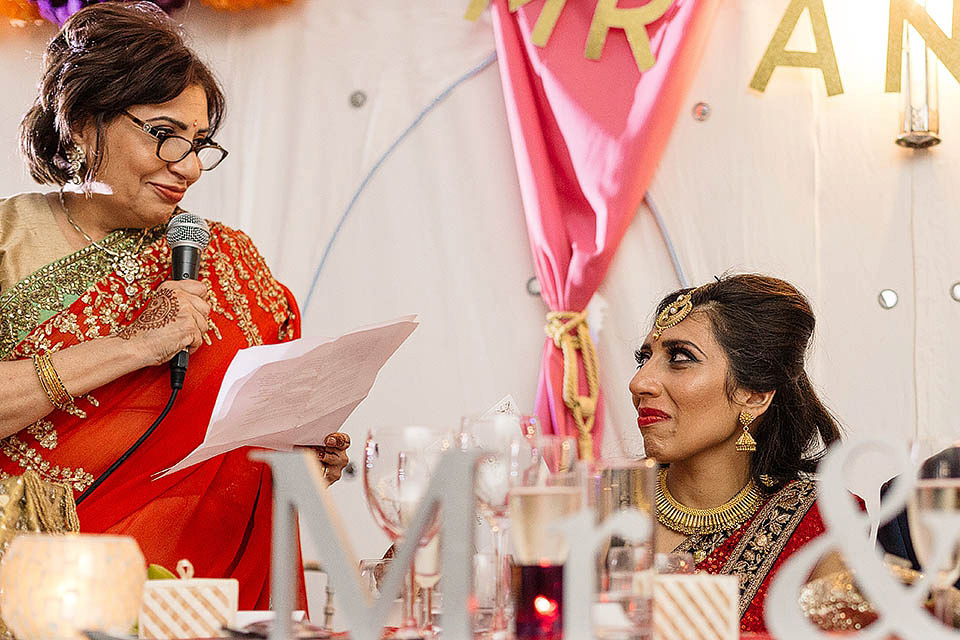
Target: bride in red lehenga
{"x": 725, "y": 406}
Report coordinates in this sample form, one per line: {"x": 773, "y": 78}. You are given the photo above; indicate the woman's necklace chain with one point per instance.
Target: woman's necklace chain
{"x": 126, "y": 263}
{"x": 689, "y": 521}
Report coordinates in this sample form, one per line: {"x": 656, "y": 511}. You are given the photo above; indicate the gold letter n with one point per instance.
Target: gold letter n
{"x": 946, "y": 49}
{"x": 633, "y": 21}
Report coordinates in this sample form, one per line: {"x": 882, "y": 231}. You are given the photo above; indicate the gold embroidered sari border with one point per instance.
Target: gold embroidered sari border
{"x": 45, "y": 292}
{"x": 767, "y": 536}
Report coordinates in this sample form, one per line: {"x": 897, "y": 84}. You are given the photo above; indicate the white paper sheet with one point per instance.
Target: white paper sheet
{"x": 296, "y": 393}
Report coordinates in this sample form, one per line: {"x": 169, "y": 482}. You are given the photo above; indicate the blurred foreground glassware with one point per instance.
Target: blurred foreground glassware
{"x": 398, "y": 465}
{"x": 506, "y": 455}
{"x": 616, "y": 485}
{"x": 56, "y": 586}
{"x": 427, "y": 569}
{"x": 624, "y": 607}
{"x": 625, "y": 563}
{"x": 677, "y": 562}
{"x": 541, "y": 499}
{"x": 933, "y": 513}
{"x": 484, "y": 592}
{"x": 530, "y": 424}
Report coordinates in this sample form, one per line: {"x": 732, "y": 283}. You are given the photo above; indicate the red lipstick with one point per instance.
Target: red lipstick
{"x": 648, "y": 416}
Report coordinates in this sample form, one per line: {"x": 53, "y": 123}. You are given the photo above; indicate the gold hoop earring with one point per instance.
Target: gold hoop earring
{"x": 746, "y": 442}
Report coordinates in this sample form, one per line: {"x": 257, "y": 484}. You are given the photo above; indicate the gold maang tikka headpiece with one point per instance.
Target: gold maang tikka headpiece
{"x": 672, "y": 315}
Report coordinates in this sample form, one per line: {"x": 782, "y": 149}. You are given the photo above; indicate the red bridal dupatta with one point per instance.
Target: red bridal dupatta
{"x": 753, "y": 552}
{"x": 216, "y": 514}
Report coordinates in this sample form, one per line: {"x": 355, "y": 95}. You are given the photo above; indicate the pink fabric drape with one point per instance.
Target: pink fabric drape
{"x": 587, "y": 137}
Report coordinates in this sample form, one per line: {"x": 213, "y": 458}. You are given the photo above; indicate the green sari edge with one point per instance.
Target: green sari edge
{"x": 55, "y": 286}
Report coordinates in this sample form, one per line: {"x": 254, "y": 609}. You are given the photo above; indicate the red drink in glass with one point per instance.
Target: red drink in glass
{"x": 538, "y": 601}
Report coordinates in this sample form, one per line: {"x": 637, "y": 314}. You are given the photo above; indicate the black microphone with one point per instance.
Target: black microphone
{"x": 188, "y": 235}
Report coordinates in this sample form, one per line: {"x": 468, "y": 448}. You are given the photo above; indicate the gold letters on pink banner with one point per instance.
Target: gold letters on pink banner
{"x": 606, "y": 16}
{"x": 634, "y": 21}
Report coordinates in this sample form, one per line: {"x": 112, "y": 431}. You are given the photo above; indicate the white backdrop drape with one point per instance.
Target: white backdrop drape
{"x": 787, "y": 182}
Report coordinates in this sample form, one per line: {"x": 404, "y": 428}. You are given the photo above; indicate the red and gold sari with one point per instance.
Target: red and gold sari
{"x": 787, "y": 521}
{"x": 216, "y": 514}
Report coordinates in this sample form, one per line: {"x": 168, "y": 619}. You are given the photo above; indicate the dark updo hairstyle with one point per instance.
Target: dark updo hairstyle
{"x": 764, "y": 326}
{"x": 107, "y": 57}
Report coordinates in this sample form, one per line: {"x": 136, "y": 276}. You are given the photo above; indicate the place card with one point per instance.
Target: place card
{"x": 696, "y": 606}
{"x": 189, "y": 607}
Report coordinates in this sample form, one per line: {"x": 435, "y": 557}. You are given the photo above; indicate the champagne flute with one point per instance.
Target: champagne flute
{"x": 545, "y": 494}
{"x": 398, "y": 465}
{"x": 933, "y": 512}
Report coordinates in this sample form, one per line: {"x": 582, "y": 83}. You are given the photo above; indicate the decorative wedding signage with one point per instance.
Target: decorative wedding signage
{"x": 607, "y": 15}
{"x": 299, "y": 489}
{"x": 899, "y": 608}
{"x": 947, "y": 49}
{"x": 823, "y": 58}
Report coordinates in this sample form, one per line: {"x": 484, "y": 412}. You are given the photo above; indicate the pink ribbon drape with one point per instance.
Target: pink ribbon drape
{"x": 587, "y": 137}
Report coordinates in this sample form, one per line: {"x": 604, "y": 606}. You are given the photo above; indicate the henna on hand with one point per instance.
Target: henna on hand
{"x": 162, "y": 310}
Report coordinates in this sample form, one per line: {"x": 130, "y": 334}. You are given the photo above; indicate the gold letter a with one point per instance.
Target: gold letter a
{"x": 778, "y": 56}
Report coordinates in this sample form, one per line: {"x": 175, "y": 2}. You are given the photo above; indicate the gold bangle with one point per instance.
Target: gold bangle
{"x": 53, "y": 386}
{"x": 38, "y": 365}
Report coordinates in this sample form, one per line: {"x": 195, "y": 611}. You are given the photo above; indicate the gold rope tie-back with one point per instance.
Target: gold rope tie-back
{"x": 561, "y": 326}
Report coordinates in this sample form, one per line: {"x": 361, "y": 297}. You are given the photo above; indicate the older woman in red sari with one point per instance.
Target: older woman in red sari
{"x": 725, "y": 405}
{"x": 124, "y": 124}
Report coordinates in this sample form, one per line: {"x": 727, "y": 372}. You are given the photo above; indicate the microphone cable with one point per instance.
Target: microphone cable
{"x": 187, "y": 235}
{"x": 119, "y": 461}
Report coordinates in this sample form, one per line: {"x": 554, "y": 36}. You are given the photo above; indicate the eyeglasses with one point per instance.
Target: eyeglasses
{"x": 172, "y": 148}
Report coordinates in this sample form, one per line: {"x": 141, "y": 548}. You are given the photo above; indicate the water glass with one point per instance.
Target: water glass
{"x": 623, "y": 610}
{"x": 484, "y": 591}
{"x": 618, "y": 485}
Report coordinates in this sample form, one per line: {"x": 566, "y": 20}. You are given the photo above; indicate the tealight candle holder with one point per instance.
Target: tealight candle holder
{"x": 54, "y": 587}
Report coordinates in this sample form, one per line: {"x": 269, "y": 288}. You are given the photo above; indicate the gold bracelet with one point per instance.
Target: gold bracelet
{"x": 53, "y": 386}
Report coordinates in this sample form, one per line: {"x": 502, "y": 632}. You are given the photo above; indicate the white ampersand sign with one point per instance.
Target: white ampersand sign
{"x": 899, "y": 608}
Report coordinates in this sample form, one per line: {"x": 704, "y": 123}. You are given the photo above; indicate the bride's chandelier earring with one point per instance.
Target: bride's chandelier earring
{"x": 746, "y": 442}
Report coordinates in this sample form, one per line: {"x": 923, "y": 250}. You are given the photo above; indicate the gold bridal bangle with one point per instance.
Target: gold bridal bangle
{"x": 53, "y": 386}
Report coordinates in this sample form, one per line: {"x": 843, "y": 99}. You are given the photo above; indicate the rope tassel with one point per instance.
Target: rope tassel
{"x": 570, "y": 334}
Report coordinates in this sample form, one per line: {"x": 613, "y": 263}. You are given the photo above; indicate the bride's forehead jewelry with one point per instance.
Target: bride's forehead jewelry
{"x": 672, "y": 315}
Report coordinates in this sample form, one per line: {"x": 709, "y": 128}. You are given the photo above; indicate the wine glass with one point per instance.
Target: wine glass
{"x": 398, "y": 465}
{"x": 933, "y": 512}
{"x": 507, "y": 454}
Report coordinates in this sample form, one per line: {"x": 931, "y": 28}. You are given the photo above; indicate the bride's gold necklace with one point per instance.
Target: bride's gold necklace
{"x": 688, "y": 521}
